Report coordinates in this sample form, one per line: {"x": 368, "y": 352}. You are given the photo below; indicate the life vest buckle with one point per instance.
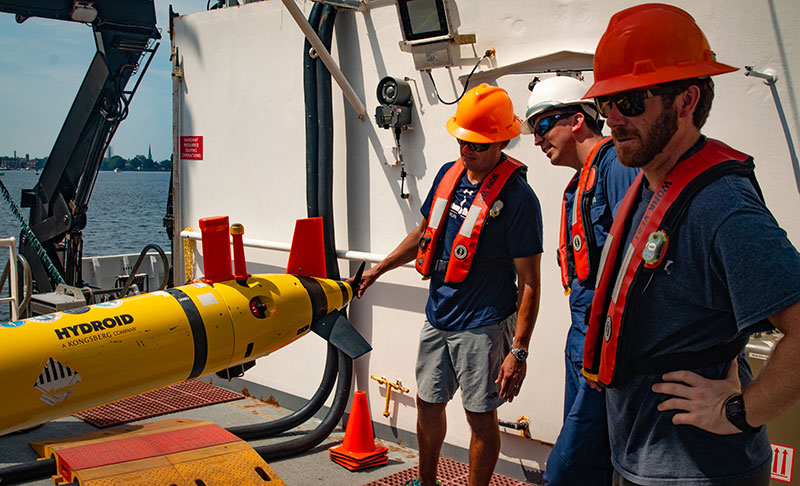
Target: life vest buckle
{"x": 424, "y": 242}
{"x": 496, "y": 207}
{"x": 655, "y": 249}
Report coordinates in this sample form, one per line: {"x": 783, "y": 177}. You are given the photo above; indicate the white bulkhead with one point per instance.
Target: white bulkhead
{"x": 241, "y": 89}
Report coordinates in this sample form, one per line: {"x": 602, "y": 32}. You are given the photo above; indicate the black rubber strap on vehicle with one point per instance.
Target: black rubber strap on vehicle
{"x": 343, "y": 288}
{"x": 319, "y": 301}
{"x": 198, "y": 331}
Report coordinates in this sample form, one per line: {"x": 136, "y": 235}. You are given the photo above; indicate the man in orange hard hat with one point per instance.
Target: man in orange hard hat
{"x": 480, "y": 243}
{"x": 694, "y": 264}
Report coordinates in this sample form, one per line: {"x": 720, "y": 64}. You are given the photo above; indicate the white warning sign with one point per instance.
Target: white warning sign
{"x": 782, "y": 462}
{"x": 56, "y": 382}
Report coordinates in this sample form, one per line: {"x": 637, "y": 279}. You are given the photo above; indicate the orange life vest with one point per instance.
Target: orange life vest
{"x": 577, "y": 258}
{"x": 466, "y": 241}
{"x": 624, "y": 274}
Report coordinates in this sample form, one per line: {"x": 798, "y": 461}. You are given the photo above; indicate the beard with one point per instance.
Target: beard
{"x": 652, "y": 143}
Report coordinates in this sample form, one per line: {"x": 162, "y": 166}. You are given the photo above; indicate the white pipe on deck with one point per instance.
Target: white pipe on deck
{"x": 279, "y": 246}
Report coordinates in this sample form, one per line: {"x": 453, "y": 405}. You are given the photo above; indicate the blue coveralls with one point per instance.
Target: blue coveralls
{"x": 581, "y": 454}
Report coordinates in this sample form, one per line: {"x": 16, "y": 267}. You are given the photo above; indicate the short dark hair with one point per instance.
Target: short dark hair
{"x": 703, "y": 108}
{"x": 592, "y": 123}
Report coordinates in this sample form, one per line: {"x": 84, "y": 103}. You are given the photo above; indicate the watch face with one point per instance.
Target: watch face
{"x": 734, "y": 407}
{"x": 735, "y": 413}
{"x": 520, "y": 354}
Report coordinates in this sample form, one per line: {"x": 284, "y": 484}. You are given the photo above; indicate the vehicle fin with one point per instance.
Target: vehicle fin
{"x": 307, "y": 255}
{"x": 337, "y": 330}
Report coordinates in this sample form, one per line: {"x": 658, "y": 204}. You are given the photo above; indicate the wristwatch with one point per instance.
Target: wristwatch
{"x": 735, "y": 413}
{"x": 520, "y": 354}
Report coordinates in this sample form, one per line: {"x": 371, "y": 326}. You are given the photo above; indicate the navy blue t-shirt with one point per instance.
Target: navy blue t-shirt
{"x": 613, "y": 181}
{"x": 489, "y": 293}
{"x": 728, "y": 266}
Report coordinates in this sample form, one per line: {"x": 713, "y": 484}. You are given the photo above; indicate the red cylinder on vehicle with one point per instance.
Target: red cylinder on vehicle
{"x": 216, "y": 249}
{"x": 239, "y": 263}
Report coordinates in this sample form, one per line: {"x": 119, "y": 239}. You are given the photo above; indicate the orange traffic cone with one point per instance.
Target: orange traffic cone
{"x": 359, "y": 449}
{"x": 355, "y": 466}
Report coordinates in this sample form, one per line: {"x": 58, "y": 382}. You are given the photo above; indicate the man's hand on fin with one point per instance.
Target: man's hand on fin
{"x": 367, "y": 278}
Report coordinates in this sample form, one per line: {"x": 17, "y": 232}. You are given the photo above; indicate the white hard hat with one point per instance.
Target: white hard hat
{"x": 557, "y": 92}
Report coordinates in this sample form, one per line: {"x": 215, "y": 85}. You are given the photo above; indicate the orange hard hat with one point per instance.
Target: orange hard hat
{"x": 651, "y": 44}
{"x": 484, "y": 115}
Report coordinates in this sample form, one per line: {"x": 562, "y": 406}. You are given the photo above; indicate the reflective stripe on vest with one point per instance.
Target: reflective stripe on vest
{"x": 576, "y": 258}
{"x": 466, "y": 241}
{"x": 613, "y": 312}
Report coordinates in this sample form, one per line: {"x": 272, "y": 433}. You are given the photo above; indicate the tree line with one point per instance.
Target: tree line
{"x": 139, "y": 162}
{"x": 118, "y": 163}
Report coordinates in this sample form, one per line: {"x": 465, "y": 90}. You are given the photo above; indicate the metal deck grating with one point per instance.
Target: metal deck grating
{"x": 174, "y": 398}
{"x": 449, "y": 472}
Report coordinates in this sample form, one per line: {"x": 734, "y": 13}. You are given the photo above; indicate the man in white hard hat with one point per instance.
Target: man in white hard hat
{"x": 568, "y": 131}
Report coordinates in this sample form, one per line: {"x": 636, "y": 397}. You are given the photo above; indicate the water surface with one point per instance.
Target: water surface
{"x": 125, "y": 213}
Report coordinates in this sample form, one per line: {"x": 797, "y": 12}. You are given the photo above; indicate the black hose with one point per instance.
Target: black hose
{"x": 325, "y": 113}
{"x": 142, "y": 254}
{"x": 310, "y": 439}
{"x": 312, "y": 130}
{"x": 319, "y": 190}
{"x": 324, "y": 200}
{"x": 20, "y": 473}
{"x": 274, "y": 427}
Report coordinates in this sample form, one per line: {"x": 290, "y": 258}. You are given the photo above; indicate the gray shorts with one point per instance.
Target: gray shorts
{"x": 470, "y": 360}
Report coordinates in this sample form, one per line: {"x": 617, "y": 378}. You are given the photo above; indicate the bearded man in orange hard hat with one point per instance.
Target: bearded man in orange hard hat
{"x": 694, "y": 264}
{"x": 480, "y": 243}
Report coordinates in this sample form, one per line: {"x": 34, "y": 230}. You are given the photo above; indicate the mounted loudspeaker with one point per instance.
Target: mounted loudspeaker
{"x": 394, "y": 91}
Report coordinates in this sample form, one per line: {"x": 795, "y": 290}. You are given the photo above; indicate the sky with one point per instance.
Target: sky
{"x": 42, "y": 64}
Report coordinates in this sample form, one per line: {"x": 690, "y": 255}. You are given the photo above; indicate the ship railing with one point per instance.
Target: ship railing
{"x": 280, "y": 246}
{"x": 11, "y": 273}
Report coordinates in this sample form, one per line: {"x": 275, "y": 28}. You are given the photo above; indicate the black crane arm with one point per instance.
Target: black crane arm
{"x": 124, "y": 33}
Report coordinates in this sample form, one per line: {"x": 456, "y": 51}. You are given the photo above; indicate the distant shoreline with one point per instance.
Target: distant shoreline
{"x": 101, "y": 170}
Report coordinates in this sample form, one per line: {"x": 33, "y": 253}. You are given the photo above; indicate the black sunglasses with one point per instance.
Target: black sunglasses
{"x": 631, "y": 103}
{"x": 545, "y": 124}
{"x": 474, "y": 146}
